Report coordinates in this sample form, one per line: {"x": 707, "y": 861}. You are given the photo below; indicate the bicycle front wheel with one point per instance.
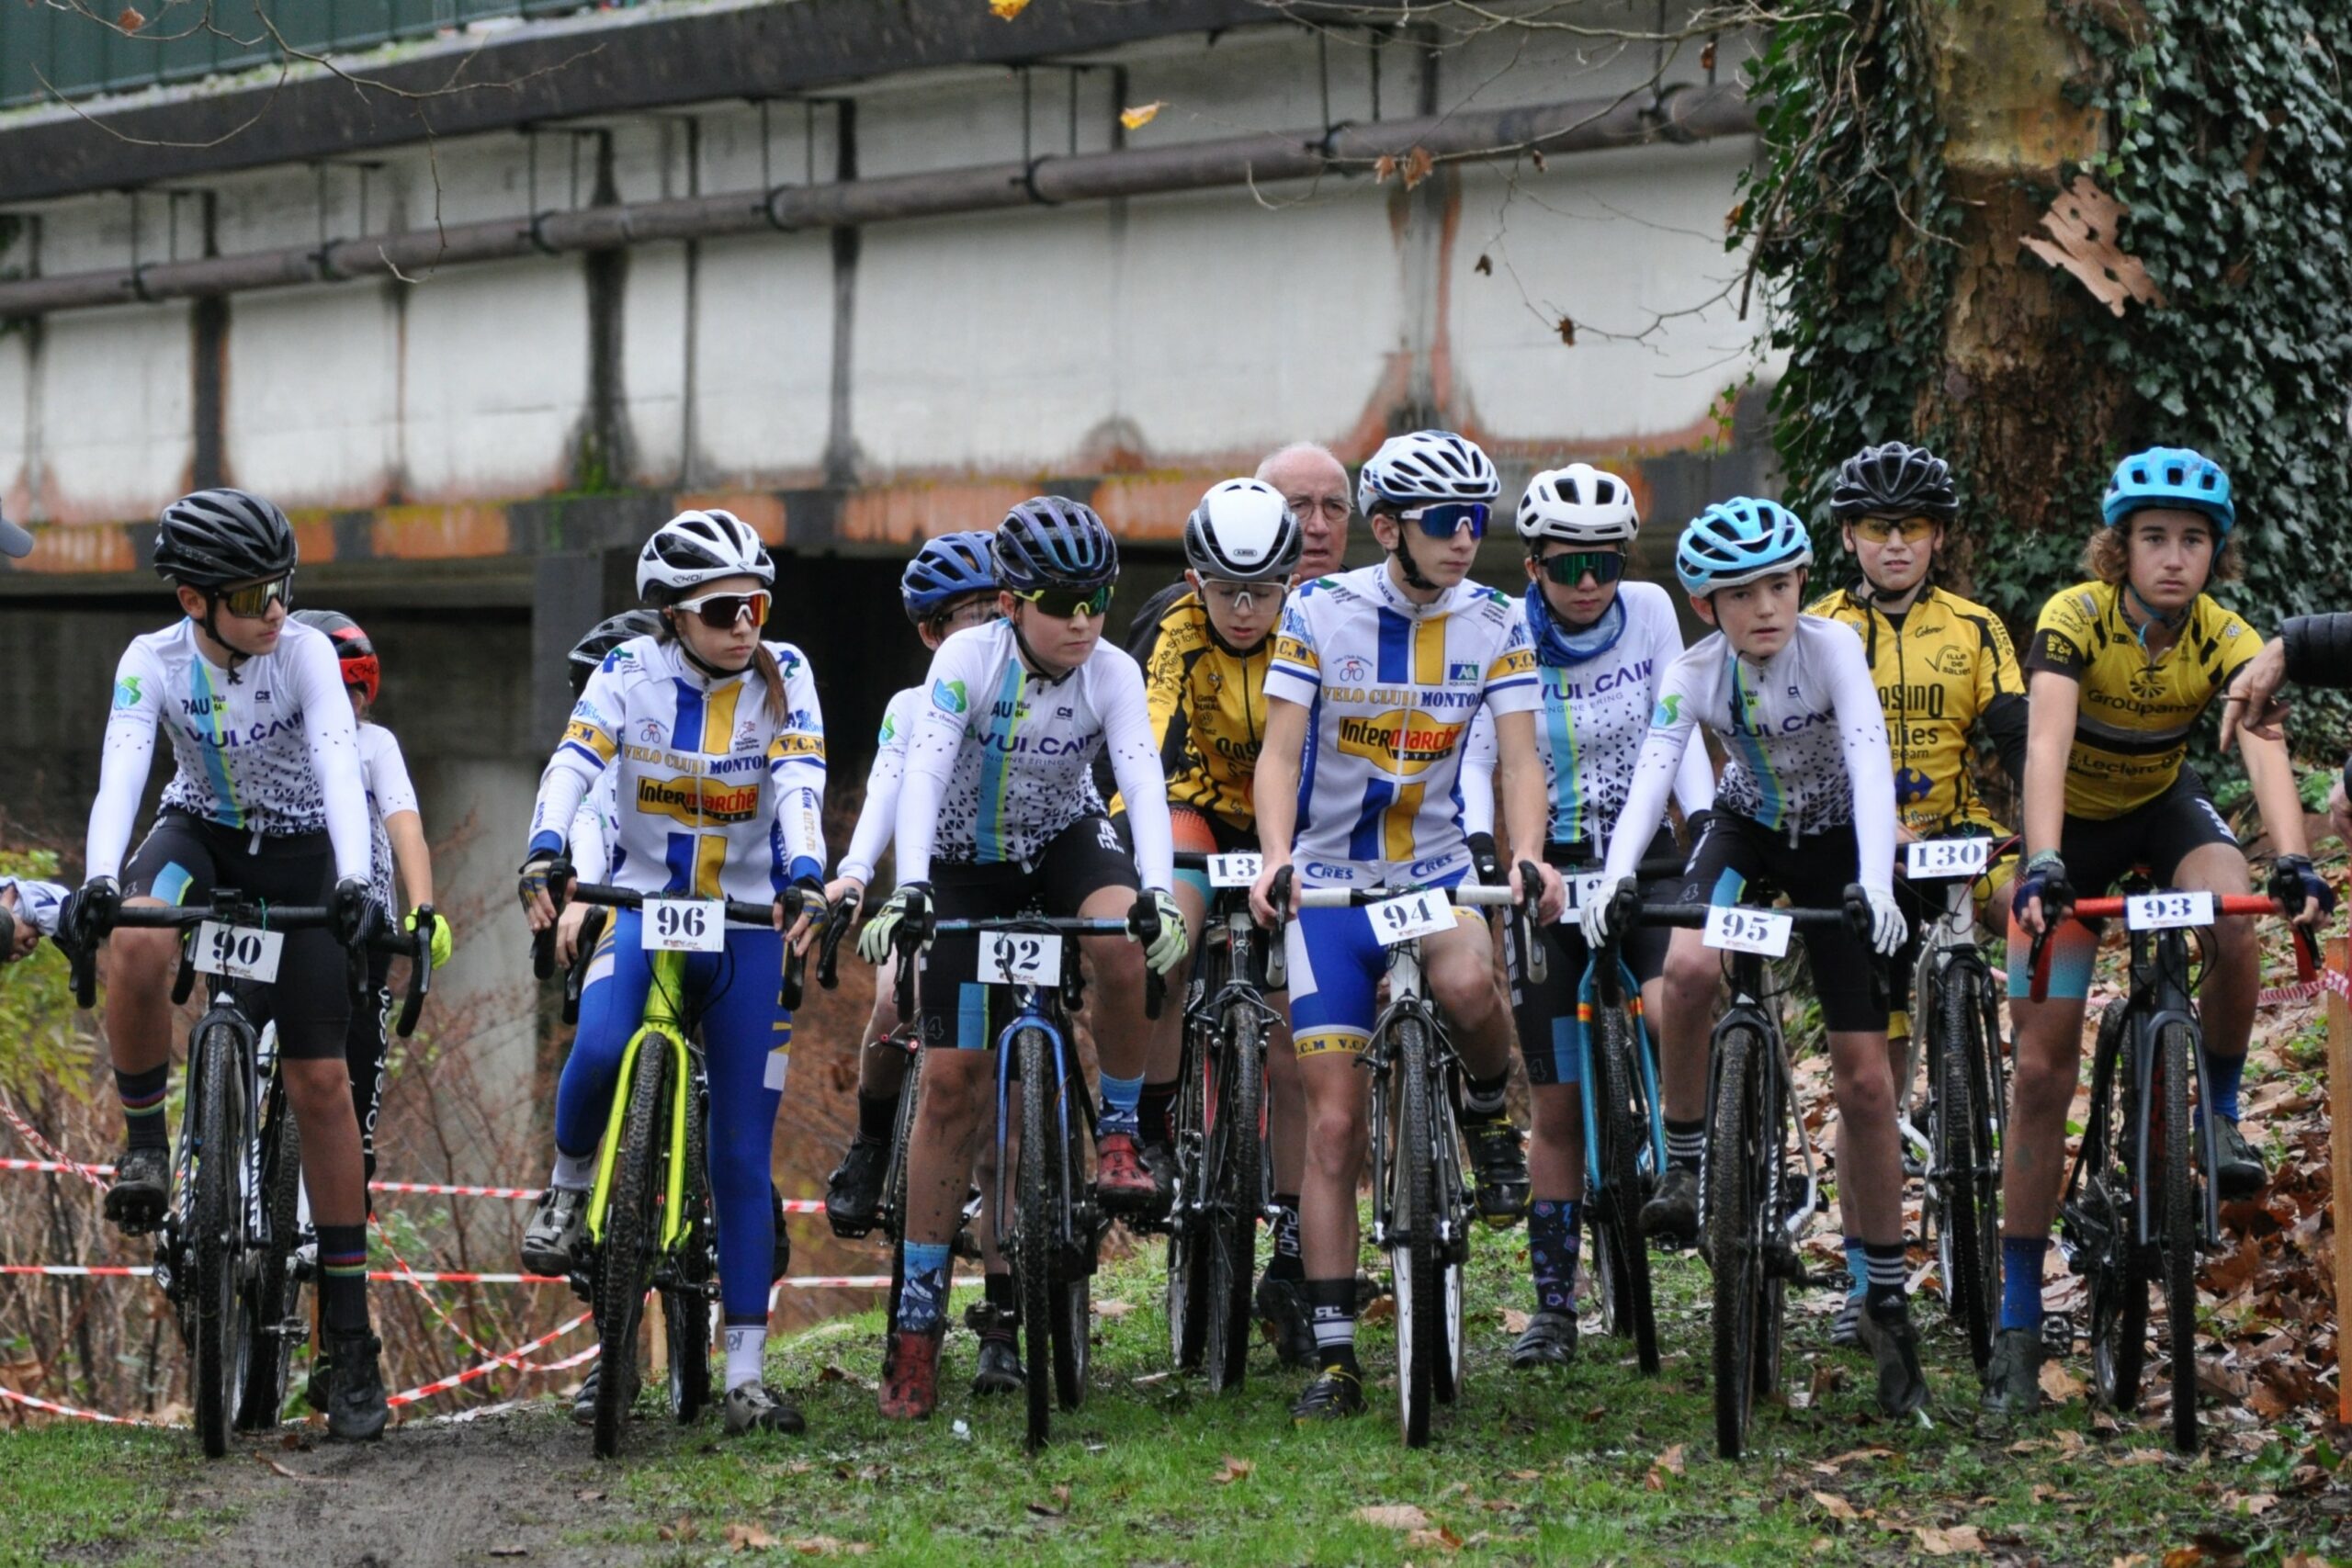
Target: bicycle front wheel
{"x": 2119, "y": 1284}
{"x": 216, "y": 1223}
{"x": 273, "y": 1321}
{"x": 1739, "y": 1183}
{"x": 1623, "y": 1258}
{"x": 686, "y": 1306}
{"x": 1191, "y": 1213}
{"x": 632, "y": 1241}
{"x": 1032, "y": 1239}
{"x": 1413, "y": 1251}
{"x": 2177, "y": 1195}
{"x": 1235, "y": 1193}
{"x": 1966, "y": 1184}
{"x": 893, "y": 1218}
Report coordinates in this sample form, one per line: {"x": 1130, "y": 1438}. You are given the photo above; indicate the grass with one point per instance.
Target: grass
{"x": 101, "y": 1491}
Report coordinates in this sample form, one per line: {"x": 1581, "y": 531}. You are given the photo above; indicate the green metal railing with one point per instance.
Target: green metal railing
{"x": 52, "y": 48}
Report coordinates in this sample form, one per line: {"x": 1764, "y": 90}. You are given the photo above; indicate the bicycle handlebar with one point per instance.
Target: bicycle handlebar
{"x": 2306, "y": 954}
{"x": 739, "y": 911}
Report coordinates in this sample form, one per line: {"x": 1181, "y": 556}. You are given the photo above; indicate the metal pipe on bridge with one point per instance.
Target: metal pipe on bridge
{"x": 1679, "y": 114}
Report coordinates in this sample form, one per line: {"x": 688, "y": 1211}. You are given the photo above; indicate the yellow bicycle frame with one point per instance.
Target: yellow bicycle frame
{"x": 661, "y": 1023}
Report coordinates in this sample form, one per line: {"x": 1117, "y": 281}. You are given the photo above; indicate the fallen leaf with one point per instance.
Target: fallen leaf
{"x": 1045, "y": 1510}
{"x": 277, "y": 1469}
{"x": 1527, "y": 1475}
{"x": 1665, "y": 1464}
{"x": 2254, "y": 1503}
{"x": 746, "y": 1538}
{"x": 681, "y": 1528}
{"x": 2131, "y": 1559}
{"x": 588, "y": 1496}
{"x": 1113, "y": 1308}
{"x": 1231, "y": 1470}
{"x": 131, "y": 21}
{"x": 1514, "y": 1321}
{"x": 2139, "y": 1457}
{"x": 1381, "y": 1310}
{"x": 1394, "y": 1515}
{"x": 826, "y": 1546}
{"x": 1837, "y": 1508}
{"x": 1005, "y": 10}
{"x": 1949, "y": 1543}
{"x": 1141, "y": 115}
{"x": 2060, "y": 1384}
{"x": 1441, "y": 1538}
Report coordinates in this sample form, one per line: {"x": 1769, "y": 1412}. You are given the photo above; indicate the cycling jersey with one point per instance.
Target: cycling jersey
{"x": 268, "y": 748}
{"x": 2132, "y": 729}
{"x": 1590, "y": 727}
{"x": 596, "y": 830}
{"x": 879, "y": 815}
{"x": 1943, "y": 669}
{"x": 1392, "y": 686}
{"x": 36, "y": 901}
{"x": 718, "y": 795}
{"x": 1209, "y": 712}
{"x": 1806, "y": 745}
{"x": 1000, "y": 757}
{"x": 385, "y": 772}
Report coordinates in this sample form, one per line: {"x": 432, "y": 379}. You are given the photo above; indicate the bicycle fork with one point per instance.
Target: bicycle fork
{"x": 1653, "y": 1133}
{"x": 674, "y": 1207}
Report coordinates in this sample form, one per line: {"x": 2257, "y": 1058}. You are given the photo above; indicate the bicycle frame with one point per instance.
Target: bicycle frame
{"x": 1407, "y": 1000}
{"x": 1046, "y": 1008}
{"x": 1951, "y": 941}
{"x": 664, "y": 1022}
{"x": 1746, "y": 971}
{"x": 1601, "y": 988}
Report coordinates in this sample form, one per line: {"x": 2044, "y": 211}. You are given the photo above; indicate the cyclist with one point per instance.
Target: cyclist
{"x": 720, "y": 745}
{"x": 268, "y": 798}
{"x": 1602, "y": 645}
{"x": 1806, "y": 803}
{"x": 1376, "y": 676}
{"x": 27, "y": 913}
{"x": 1947, "y": 677}
{"x": 2122, "y": 667}
{"x": 595, "y": 827}
{"x": 949, "y": 585}
{"x": 997, "y": 789}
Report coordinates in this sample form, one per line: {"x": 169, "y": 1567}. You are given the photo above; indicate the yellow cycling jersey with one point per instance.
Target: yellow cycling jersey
{"x": 2132, "y": 728}
{"x": 1208, "y": 713}
{"x": 1940, "y": 674}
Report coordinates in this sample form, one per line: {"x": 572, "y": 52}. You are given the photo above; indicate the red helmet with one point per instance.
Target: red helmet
{"x": 351, "y": 646}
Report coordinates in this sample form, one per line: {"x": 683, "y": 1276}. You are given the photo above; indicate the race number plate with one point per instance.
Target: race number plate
{"x": 2159, "y": 912}
{"x": 1416, "y": 914}
{"x": 1947, "y": 858}
{"x": 1749, "y": 930}
{"x": 683, "y": 925}
{"x": 239, "y": 952}
{"x": 1236, "y": 871}
{"x": 1582, "y": 890}
{"x": 1020, "y": 958}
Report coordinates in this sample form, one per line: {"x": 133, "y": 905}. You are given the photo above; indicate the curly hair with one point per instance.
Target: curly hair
{"x": 2107, "y": 557}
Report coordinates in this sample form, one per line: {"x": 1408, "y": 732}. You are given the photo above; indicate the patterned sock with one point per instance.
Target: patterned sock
{"x": 2221, "y": 1076}
{"x": 1483, "y": 1098}
{"x": 1332, "y": 1305}
{"x": 1883, "y": 1261}
{"x": 2021, "y": 1258}
{"x": 1552, "y": 1245}
{"x": 1157, "y": 1112}
{"x": 747, "y": 1344}
{"x": 142, "y": 1106}
{"x": 1287, "y": 1263}
{"x": 922, "y": 1306}
{"x": 1120, "y": 1096}
{"x": 342, "y": 1278}
{"x": 1858, "y": 1269}
{"x": 877, "y": 1119}
{"x": 1686, "y": 1144}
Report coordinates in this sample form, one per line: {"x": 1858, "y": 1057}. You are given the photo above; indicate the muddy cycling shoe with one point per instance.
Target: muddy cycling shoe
{"x": 356, "y": 1409}
{"x": 853, "y": 1192}
{"x": 1549, "y": 1341}
{"x": 1500, "y": 1166}
{"x": 1333, "y": 1396}
{"x": 1122, "y": 1179}
{"x": 583, "y": 1402}
{"x": 141, "y": 1189}
{"x": 2013, "y": 1378}
{"x": 1894, "y": 1344}
{"x": 911, "y": 1373}
{"x": 1672, "y": 1213}
{"x": 755, "y": 1407}
{"x": 1159, "y": 1159}
{"x": 553, "y": 1235}
{"x": 1282, "y": 1316}
{"x": 2238, "y": 1171}
{"x": 1847, "y": 1332}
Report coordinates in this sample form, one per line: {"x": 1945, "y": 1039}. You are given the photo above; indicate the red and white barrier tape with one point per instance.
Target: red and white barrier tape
{"x": 32, "y": 1402}
{"x": 43, "y": 1147}
{"x": 55, "y": 1168}
{"x": 512, "y": 1359}
{"x": 2304, "y": 991}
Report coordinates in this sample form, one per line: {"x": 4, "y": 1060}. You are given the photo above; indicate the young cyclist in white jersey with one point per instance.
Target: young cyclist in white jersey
{"x": 997, "y": 808}
{"x": 597, "y": 826}
{"x": 1375, "y": 678}
{"x": 1602, "y": 648}
{"x": 720, "y": 748}
{"x": 27, "y": 913}
{"x": 268, "y": 799}
{"x": 1806, "y": 803}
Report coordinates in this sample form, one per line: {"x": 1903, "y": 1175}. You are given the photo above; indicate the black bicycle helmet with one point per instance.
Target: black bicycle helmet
{"x": 353, "y": 651}
{"x": 605, "y": 636}
{"x": 1050, "y": 541}
{"x": 217, "y": 537}
{"x": 1894, "y": 481}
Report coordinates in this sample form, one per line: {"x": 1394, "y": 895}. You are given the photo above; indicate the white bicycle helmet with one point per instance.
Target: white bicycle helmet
{"x": 1243, "y": 532}
{"x": 1578, "y": 506}
{"x": 1426, "y": 466}
{"x": 695, "y": 547}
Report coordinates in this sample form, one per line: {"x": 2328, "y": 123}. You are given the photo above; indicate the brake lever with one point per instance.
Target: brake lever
{"x": 1535, "y": 963}
{"x": 838, "y": 921}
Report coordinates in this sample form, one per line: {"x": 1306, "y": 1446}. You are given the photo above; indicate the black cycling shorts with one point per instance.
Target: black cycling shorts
{"x": 1545, "y": 1014}
{"x": 956, "y": 1009}
{"x": 184, "y": 858}
{"x": 1815, "y": 872}
{"x": 2158, "y": 835}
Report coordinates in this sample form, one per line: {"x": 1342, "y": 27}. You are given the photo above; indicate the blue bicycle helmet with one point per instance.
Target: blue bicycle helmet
{"x": 2170, "y": 476}
{"x": 951, "y": 567}
{"x": 1050, "y": 541}
{"x": 1739, "y": 541}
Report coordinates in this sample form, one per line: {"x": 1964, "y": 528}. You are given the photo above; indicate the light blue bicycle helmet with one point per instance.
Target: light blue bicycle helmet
{"x": 951, "y": 567}
{"x": 1739, "y": 541}
{"x": 2170, "y": 476}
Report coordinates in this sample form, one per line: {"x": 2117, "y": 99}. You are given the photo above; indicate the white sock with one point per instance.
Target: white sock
{"x": 745, "y": 1345}
{"x": 573, "y": 1171}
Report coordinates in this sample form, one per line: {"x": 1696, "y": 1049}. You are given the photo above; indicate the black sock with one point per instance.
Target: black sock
{"x": 1886, "y": 1277}
{"x": 877, "y": 1119}
{"x": 1157, "y": 1112}
{"x": 342, "y": 1278}
{"x": 1483, "y": 1098}
{"x": 1287, "y": 1263}
{"x": 1332, "y": 1304}
{"x": 1686, "y": 1144}
{"x": 998, "y": 1292}
{"x": 142, "y": 1106}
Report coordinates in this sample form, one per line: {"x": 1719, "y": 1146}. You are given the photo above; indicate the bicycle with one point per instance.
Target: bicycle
{"x": 229, "y": 1256}
{"x": 1221, "y": 1189}
{"x": 1422, "y": 1204}
{"x": 1753, "y": 1206}
{"x": 2132, "y": 1216}
{"x": 649, "y": 1225}
{"x": 1956, "y": 1029}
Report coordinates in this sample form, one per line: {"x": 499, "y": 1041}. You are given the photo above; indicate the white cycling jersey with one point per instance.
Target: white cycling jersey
{"x": 1805, "y": 738}
{"x": 1001, "y": 759}
{"x": 1392, "y": 687}
{"x": 596, "y": 829}
{"x": 718, "y": 794}
{"x": 389, "y": 793}
{"x": 36, "y": 901}
{"x": 268, "y": 748}
{"x": 1591, "y": 722}
{"x": 879, "y": 816}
